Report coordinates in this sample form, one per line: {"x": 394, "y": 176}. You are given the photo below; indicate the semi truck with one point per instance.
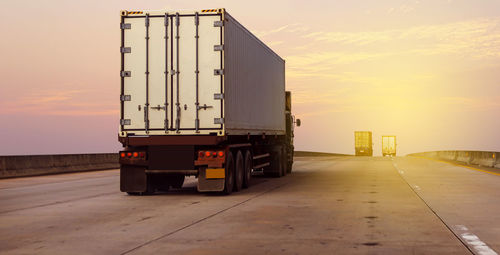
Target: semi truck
{"x": 363, "y": 145}
{"x": 200, "y": 96}
{"x": 389, "y": 145}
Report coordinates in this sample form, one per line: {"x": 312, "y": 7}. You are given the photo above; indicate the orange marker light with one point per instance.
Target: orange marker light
{"x": 136, "y": 154}
{"x": 122, "y": 154}
{"x": 221, "y": 154}
{"x": 207, "y": 153}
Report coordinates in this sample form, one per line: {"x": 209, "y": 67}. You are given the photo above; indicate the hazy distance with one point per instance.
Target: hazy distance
{"x": 425, "y": 71}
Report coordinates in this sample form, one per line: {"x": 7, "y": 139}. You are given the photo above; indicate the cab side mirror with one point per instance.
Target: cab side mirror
{"x": 297, "y": 122}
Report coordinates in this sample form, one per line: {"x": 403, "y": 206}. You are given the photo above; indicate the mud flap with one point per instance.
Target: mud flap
{"x": 133, "y": 179}
{"x": 209, "y": 185}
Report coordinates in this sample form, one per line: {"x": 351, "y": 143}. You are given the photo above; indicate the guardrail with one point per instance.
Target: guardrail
{"x": 482, "y": 158}
{"x": 316, "y": 154}
{"x": 20, "y": 166}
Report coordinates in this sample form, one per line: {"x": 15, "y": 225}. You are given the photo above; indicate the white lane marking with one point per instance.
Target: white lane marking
{"x": 477, "y": 244}
{"x": 461, "y": 227}
{"x": 473, "y": 242}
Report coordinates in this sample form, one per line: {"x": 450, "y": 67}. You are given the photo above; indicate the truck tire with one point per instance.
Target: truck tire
{"x": 247, "y": 177}
{"x": 284, "y": 161}
{"x": 176, "y": 181}
{"x": 276, "y": 167}
{"x": 229, "y": 178}
{"x": 239, "y": 171}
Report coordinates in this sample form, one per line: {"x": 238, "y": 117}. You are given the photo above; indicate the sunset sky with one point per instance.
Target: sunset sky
{"x": 426, "y": 71}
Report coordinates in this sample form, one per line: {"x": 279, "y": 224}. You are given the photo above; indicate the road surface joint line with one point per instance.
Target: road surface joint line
{"x": 204, "y": 218}
{"x": 435, "y": 213}
{"x": 460, "y": 165}
{"x": 29, "y": 186}
{"x": 57, "y": 202}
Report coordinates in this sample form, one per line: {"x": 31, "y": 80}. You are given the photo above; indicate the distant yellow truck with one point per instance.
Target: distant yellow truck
{"x": 389, "y": 145}
{"x": 363, "y": 143}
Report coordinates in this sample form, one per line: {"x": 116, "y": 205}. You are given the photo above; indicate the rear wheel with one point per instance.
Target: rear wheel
{"x": 284, "y": 161}
{"x": 289, "y": 163}
{"x": 248, "y": 169}
{"x": 239, "y": 171}
{"x": 176, "y": 181}
{"x": 229, "y": 179}
{"x": 276, "y": 167}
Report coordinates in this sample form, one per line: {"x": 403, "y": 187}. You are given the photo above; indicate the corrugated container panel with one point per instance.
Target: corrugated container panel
{"x": 363, "y": 139}
{"x": 254, "y": 83}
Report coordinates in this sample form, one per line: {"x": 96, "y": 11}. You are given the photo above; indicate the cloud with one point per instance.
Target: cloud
{"x": 472, "y": 102}
{"x": 322, "y": 53}
{"x": 290, "y": 28}
{"x": 60, "y": 103}
{"x": 473, "y": 31}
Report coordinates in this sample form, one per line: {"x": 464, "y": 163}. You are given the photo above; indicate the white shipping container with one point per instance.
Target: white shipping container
{"x": 198, "y": 73}
{"x": 388, "y": 145}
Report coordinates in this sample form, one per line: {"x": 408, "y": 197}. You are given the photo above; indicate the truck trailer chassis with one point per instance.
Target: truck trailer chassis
{"x": 200, "y": 96}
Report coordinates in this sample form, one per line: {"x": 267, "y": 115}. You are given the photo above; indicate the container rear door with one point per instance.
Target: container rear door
{"x": 388, "y": 144}
{"x": 362, "y": 139}
{"x": 168, "y": 80}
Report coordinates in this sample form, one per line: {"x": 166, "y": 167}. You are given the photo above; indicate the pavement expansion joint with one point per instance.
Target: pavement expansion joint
{"x": 205, "y": 218}
{"x": 465, "y": 244}
{"x": 57, "y": 202}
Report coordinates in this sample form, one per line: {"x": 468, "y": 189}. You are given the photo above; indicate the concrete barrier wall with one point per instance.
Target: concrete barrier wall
{"x": 482, "y": 158}
{"x": 18, "y": 166}
{"x": 316, "y": 154}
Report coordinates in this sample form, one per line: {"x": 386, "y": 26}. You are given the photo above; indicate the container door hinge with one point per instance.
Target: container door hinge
{"x": 218, "y": 96}
{"x": 204, "y": 107}
{"x": 125, "y": 73}
{"x": 125, "y": 50}
{"x": 218, "y": 47}
{"x": 124, "y": 122}
{"x": 218, "y": 71}
{"x": 158, "y": 108}
{"x": 125, "y": 98}
{"x": 125, "y": 26}
{"x": 218, "y": 23}
{"x": 218, "y": 120}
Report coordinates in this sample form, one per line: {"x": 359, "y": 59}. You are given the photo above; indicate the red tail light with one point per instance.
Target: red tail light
{"x": 129, "y": 154}
{"x": 122, "y": 155}
{"x": 209, "y": 155}
{"x": 142, "y": 154}
{"x": 135, "y": 154}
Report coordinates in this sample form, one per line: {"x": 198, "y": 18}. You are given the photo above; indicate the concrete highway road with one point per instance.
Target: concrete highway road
{"x": 328, "y": 205}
